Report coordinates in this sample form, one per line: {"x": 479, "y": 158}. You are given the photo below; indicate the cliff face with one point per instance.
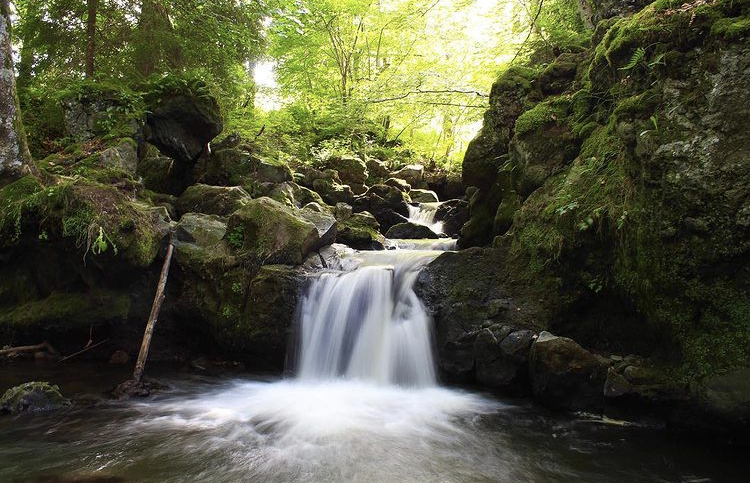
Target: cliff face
{"x": 620, "y": 178}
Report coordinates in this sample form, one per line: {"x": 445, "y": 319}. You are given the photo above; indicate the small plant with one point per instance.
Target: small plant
{"x": 237, "y": 287}
{"x": 236, "y": 238}
{"x": 635, "y": 59}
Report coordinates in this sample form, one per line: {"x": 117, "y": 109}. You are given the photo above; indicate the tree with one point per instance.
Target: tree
{"x": 15, "y": 159}
{"x": 91, "y": 13}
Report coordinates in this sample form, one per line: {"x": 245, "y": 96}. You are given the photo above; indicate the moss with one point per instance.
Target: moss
{"x": 515, "y": 77}
{"x": 640, "y": 105}
{"x": 64, "y": 311}
{"x": 543, "y": 113}
{"x": 731, "y": 28}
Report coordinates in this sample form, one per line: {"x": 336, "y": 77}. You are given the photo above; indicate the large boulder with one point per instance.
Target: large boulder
{"x": 563, "y": 374}
{"x": 324, "y": 222}
{"x": 272, "y": 232}
{"x": 32, "y": 397}
{"x": 182, "y": 125}
{"x": 412, "y": 174}
{"x": 122, "y": 156}
{"x": 447, "y": 185}
{"x": 500, "y": 355}
{"x": 332, "y": 192}
{"x": 164, "y": 175}
{"x": 376, "y": 168}
{"x": 410, "y": 231}
{"x": 453, "y": 214}
{"x": 387, "y": 204}
{"x": 212, "y": 200}
{"x": 398, "y": 183}
{"x": 351, "y": 169}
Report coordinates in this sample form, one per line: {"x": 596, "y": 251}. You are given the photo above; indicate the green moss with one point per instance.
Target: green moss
{"x": 515, "y": 77}
{"x": 640, "y": 105}
{"x": 731, "y": 28}
{"x": 553, "y": 110}
{"x": 66, "y": 311}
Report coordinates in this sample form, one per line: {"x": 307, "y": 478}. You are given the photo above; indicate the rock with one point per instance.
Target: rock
{"x": 182, "y": 125}
{"x": 466, "y": 290}
{"x": 423, "y": 196}
{"x": 309, "y": 175}
{"x": 124, "y": 156}
{"x": 360, "y": 231}
{"x": 304, "y": 196}
{"x": 387, "y": 204}
{"x": 200, "y": 229}
{"x": 272, "y": 232}
{"x": 351, "y": 169}
{"x": 398, "y": 183}
{"x": 378, "y": 169}
{"x": 565, "y": 375}
{"x": 324, "y": 222}
{"x": 283, "y": 193}
{"x": 504, "y": 215}
{"x": 412, "y": 174}
{"x": 132, "y": 388}
{"x": 342, "y": 211}
{"x": 727, "y": 398}
{"x": 332, "y": 192}
{"x": 237, "y": 167}
{"x": 119, "y": 357}
{"x": 410, "y": 231}
{"x": 446, "y": 185}
{"x": 453, "y": 214}
{"x": 163, "y": 175}
{"x": 358, "y": 189}
{"x": 32, "y": 397}
{"x": 500, "y": 353}
{"x": 212, "y": 200}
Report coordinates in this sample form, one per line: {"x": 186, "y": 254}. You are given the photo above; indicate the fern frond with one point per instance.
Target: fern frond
{"x": 637, "y": 56}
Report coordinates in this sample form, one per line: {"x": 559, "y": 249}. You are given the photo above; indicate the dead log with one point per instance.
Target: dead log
{"x": 44, "y": 346}
{"x": 155, "y": 307}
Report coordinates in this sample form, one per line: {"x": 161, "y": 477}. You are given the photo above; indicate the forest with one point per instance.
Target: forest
{"x": 374, "y": 241}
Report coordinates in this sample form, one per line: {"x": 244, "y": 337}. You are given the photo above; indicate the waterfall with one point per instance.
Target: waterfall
{"x": 368, "y": 324}
{"x": 424, "y": 214}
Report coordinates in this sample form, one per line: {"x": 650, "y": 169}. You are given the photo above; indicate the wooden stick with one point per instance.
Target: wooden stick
{"x": 155, "y": 307}
{"x": 87, "y": 348}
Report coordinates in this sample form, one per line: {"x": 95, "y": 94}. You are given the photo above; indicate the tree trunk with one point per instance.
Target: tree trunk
{"x": 92, "y": 8}
{"x": 15, "y": 160}
{"x": 155, "y": 43}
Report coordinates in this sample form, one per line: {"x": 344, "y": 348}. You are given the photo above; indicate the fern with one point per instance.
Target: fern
{"x": 636, "y": 58}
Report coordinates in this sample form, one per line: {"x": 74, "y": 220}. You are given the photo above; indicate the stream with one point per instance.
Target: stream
{"x": 365, "y": 405}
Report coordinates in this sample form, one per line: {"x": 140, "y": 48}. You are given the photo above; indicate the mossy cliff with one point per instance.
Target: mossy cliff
{"x": 621, "y": 174}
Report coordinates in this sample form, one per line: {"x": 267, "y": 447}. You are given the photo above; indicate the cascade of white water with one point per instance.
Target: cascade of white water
{"x": 368, "y": 324}
{"x": 424, "y": 214}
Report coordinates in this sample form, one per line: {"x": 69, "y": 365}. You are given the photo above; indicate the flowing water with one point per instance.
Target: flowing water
{"x": 364, "y": 406}
{"x": 424, "y": 214}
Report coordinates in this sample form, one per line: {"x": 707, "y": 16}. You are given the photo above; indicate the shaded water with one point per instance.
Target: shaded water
{"x": 365, "y": 407}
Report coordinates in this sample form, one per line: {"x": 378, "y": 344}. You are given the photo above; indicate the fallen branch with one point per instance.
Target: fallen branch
{"x": 87, "y": 348}
{"x": 29, "y": 348}
{"x": 155, "y": 307}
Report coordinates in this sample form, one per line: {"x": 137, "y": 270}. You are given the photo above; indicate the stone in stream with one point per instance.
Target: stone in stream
{"x": 410, "y": 231}
{"x": 32, "y": 397}
{"x": 387, "y": 204}
{"x": 360, "y": 231}
{"x": 423, "y": 196}
{"x": 453, "y": 214}
{"x": 565, "y": 375}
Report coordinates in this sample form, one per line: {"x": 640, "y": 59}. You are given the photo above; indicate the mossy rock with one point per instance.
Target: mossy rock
{"x": 360, "y": 231}
{"x": 212, "y": 200}
{"x": 273, "y": 232}
{"x": 32, "y": 397}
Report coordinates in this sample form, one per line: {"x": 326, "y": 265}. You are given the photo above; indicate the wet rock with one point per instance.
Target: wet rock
{"x": 132, "y": 388}
{"x": 212, "y": 200}
{"x": 453, "y": 214}
{"x": 412, "y": 174}
{"x": 324, "y": 222}
{"x": 423, "y": 196}
{"x": 32, "y": 397}
{"x": 387, "y": 204}
{"x": 565, "y": 375}
{"x": 182, "y": 125}
{"x": 500, "y": 355}
{"x": 360, "y": 231}
{"x": 273, "y": 232}
{"x": 447, "y": 186}
{"x": 410, "y": 231}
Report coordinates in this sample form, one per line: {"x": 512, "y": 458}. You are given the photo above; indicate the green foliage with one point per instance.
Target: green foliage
{"x": 635, "y": 59}
{"x": 236, "y": 237}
